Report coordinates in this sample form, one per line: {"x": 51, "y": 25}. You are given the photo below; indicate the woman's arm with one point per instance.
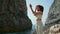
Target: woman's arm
{"x": 31, "y": 8}
{"x": 34, "y": 12}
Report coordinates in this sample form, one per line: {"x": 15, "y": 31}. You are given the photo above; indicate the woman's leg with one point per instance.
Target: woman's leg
{"x": 39, "y": 27}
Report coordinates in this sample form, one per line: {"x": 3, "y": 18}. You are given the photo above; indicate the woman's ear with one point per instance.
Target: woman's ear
{"x": 42, "y": 13}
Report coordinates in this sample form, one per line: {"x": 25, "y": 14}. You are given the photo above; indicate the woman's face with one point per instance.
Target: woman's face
{"x": 37, "y": 8}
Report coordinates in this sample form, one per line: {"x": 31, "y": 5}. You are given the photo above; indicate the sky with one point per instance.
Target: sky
{"x": 45, "y": 3}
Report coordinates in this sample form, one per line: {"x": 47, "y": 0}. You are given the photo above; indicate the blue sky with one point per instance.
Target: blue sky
{"x": 45, "y": 3}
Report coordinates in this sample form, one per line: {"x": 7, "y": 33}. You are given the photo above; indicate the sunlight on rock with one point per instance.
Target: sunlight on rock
{"x": 55, "y": 29}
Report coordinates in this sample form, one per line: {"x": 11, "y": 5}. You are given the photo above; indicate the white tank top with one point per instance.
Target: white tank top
{"x": 39, "y": 16}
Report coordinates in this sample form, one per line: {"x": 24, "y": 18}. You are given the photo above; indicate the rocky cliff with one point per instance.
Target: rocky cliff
{"x": 53, "y": 15}
{"x": 13, "y": 16}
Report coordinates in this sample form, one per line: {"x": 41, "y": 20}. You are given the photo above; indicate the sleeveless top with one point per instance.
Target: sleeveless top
{"x": 39, "y": 16}
{"x": 39, "y": 24}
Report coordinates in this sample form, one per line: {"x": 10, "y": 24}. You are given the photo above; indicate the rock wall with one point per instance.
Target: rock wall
{"x": 13, "y": 16}
{"x": 53, "y": 15}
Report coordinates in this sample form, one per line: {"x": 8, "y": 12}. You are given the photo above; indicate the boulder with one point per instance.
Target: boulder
{"x": 13, "y": 16}
{"x": 53, "y": 15}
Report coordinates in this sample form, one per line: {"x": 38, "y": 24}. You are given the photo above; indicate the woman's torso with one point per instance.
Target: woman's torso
{"x": 39, "y": 16}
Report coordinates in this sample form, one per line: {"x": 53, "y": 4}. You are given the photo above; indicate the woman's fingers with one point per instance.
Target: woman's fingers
{"x": 30, "y": 6}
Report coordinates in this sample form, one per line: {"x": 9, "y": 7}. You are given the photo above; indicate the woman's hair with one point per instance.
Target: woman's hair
{"x": 41, "y": 7}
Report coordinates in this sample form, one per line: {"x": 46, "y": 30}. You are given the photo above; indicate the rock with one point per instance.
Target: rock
{"x": 34, "y": 32}
{"x": 53, "y": 15}
{"x": 13, "y": 16}
{"x": 55, "y": 29}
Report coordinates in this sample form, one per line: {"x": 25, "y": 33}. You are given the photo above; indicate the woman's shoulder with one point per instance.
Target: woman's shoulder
{"x": 37, "y": 13}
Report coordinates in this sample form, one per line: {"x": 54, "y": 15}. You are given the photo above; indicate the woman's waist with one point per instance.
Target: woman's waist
{"x": 38, "y": 19}
{"x": 38, "y": 16}
{"x": 39, "y": 24}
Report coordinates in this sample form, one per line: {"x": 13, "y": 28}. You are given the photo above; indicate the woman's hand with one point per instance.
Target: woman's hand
{"x": 30, "y": 6}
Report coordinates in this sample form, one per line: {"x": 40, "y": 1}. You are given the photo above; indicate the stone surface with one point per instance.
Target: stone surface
{"x": 53, "y": 15}
{"x": 13, "y": 16}
{"x": 55, "y": 29}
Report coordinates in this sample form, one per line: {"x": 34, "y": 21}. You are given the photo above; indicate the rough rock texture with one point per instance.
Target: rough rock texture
{"x": 55, "y": 29}
{"x": 13, "y": 16}
{"x": 53, "y": 15}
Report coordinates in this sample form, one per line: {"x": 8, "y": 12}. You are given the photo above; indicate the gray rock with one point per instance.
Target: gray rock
{"x": 13, "y": 16}
{"x": 53, "y": 15}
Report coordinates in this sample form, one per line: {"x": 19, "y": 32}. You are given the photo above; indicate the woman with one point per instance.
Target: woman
{"x": 38, "y": 13}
